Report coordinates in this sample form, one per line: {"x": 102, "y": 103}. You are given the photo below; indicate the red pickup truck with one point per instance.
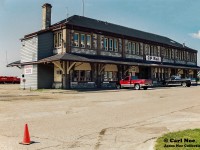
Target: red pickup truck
{"x": 134, "y": 82}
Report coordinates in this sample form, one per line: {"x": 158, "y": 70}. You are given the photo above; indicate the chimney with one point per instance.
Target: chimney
{"x": 46, "y": 16}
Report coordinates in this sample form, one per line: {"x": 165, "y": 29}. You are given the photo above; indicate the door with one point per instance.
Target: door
{"x": 125, "y": 82}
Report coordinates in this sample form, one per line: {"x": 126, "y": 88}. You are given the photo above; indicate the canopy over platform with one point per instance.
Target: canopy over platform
{"x": 102, "y": 59}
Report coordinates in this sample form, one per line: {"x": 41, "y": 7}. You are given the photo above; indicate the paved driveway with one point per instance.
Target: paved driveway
{"x": 95, "y": 120}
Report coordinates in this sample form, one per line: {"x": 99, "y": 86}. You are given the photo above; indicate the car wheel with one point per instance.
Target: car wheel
{"x": 188, "y": 85}
{"x": 137, "y": 86}
{"x": 184, "y": 84}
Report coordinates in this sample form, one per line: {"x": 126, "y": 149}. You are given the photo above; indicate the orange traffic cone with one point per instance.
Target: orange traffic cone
{"x": 26, "y": 140}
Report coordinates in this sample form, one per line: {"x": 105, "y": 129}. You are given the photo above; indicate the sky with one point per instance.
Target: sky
{"x": 176, "y": 19}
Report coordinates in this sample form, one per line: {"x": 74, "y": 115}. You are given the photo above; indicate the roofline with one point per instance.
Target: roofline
{"x": 61, "y": 24}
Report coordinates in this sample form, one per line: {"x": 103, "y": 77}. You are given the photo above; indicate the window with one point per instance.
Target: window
{"x": 158, "y": 47}
{"x": 106, "y": 44}
{"x": 126, "y": 79}
{"x": 115, "y": 45}
{"x": 88, "y": 43}
{"x": 129, "y": 48}
{"x": 147, "y": 49}
{"x": 151, "y": 50}
{"x": 133, "y": 48}
{"x": 111, "y": 44}
{"x": 141, "y": 48}
{"x": 82, "y": 75}
{"x": 172, "y": 53}
{"x": 155, "y": 51}
{"x": 137, "y": 49}
{"x": 76, "y": 39}
{"x": 57, "y": 39}
{"x": 110, "y": 76}
{"x": 82, "y": 40}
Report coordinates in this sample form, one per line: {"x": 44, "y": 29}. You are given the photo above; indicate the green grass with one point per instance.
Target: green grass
{"x": 168, "y": 140}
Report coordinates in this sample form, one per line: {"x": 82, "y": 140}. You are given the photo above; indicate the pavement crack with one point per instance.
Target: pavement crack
{"x": 149, "y": 139}
{"x": 100, "y": 138}
{"x": 49, "y": 147}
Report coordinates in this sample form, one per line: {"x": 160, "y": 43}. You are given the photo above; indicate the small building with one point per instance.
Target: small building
{"x": 80, "y": 52}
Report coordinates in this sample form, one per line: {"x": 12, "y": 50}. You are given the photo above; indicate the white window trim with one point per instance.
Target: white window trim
{"x": 58, "y": 39}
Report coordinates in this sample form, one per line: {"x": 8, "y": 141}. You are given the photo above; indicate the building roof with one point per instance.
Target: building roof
{"x": 90, "y": 23}
{"x": 102, "y": 26}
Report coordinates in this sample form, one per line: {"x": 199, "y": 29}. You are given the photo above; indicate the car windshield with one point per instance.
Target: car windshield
{"x": 175, "y": 77}
{"x": 134, "y": 77}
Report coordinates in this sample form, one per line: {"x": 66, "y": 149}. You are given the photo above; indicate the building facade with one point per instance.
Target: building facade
{"x": 81, "y": 52}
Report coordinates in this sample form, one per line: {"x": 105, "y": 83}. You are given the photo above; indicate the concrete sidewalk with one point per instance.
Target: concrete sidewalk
{"x": 114, "y": 120}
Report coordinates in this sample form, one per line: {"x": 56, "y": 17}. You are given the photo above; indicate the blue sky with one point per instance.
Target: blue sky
{"x": 176, "y": 19}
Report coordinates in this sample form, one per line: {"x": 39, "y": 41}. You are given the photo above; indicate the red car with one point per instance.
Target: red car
{"x": 6, "y": 79}
{"x": 134, "y": 82}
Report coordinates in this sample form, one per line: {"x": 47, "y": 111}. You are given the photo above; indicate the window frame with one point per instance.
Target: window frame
{"x": 58, "y": 38}
{"x": 110, "y": 44}
{"x": 76, "y": 41}
{"x": 83, "y": 40}
{"x": 115, "y": 45}
{"x": 88, "y": 45}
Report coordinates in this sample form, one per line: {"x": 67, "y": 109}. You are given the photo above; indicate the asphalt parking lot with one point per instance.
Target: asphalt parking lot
{"x": 95, "y": 120}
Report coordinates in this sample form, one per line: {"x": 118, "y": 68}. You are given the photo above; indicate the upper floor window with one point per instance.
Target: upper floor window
{"x": 133, "y": 48}
{"x": 195, "y": 57}
{"x": 151, "y": 51}
{"x": 137, "y": 49}
{"x": 141, "y": 48}
{"x": 129, "y": 48}
{"x": 170, "y": 53}
{"x": 76, "y": 39}
{"x": 106, "y": 44}
{"x": 57, "y": 39}
{"x": 147, "y": 49}
{"x": 111, "y": 44}
{"x": 82, "y": 40}
{"x": 155, "y": 53}
{"x": 115, "y": 45}
{"x": 88, "y": 43}
{"x": 158, "y": 47}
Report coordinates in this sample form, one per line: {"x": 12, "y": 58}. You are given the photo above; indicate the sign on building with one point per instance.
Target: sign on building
{"x": 28, "y": 69}
{"x": 153, "y": 58}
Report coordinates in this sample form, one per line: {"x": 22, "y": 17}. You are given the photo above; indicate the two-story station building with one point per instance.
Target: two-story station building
{"x": 81, "y": 52}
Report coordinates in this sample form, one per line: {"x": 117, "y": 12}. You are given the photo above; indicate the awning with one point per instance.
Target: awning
{"x": 15, "y": 64}
{"x": 106, "y": 60}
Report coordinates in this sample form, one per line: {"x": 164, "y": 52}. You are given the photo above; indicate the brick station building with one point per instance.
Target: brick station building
{"x": 81, "y": 52}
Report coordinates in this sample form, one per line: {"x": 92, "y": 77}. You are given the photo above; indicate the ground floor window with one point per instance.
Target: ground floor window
{"x": 81, "y": 75}
{"x": 110, "y": 76}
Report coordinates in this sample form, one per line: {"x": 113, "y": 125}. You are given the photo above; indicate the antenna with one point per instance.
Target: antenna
{"x": 83, "y": 7}
{"x": 67, "y": 13}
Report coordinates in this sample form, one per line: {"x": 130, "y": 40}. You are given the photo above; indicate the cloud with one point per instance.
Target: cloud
{"x": 196, "y": 35}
